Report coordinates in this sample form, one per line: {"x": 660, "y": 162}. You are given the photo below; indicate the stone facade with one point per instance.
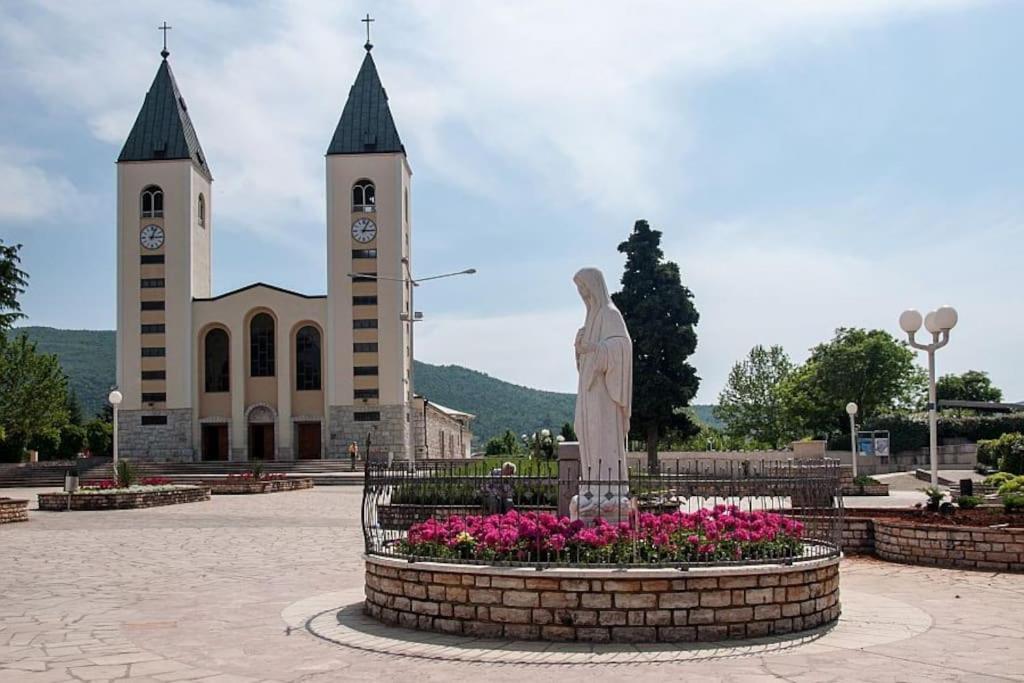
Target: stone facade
{"x": 387, "y": 436}
{"x": 593, "y": 605}
{"x": 13, "y": 510}
{"x": 58, "y": 502}
{"x": 171, "y": 442}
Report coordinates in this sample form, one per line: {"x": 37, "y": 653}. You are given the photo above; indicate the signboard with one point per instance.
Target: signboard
{"x": 882, "y": 446}
{"x": 865, "y": 445}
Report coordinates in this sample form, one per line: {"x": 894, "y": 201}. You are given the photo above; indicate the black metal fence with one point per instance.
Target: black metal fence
{"x": 704, "y": 512}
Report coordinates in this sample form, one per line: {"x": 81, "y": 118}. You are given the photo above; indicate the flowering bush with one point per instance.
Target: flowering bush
{"x": 111, "y": 485}
{"x": 719, "y": 534}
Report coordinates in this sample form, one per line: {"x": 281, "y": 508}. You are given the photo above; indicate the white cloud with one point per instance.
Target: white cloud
{"x": 572, "y": 95}
{"x": 28, "y": 193}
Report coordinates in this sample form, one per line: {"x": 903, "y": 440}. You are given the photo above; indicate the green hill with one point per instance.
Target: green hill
{"x": 88, "y": 359}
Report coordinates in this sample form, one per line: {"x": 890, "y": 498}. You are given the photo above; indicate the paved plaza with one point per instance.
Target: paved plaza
{"x": 266, "y": 588}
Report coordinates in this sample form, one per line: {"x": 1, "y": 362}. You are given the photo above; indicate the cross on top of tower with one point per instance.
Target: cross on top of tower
{"x": 165, "y": 28}
{"x": 368, "y": 20}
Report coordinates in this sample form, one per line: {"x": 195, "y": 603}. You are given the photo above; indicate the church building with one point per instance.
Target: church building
{"x": 262, "y": 372}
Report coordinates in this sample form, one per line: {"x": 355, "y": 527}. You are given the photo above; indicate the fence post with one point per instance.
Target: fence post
{"x": 568, "y": 475}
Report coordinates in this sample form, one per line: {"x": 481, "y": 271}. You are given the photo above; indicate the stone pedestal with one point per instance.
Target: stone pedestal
{"x": 568, "y": 475}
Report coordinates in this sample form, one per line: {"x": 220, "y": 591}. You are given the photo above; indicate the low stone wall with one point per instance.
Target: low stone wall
{"x": 243, "y": 487}
{"x": 13, "y": 510}
{"x": 865, "y": 489}
{"x": 950, "y": 546}
{"x": 601, "y": 605}
{"x": 58, "y": 502}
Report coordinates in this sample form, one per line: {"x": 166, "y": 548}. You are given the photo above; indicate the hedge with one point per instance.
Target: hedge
{"x": 909, "y": 432}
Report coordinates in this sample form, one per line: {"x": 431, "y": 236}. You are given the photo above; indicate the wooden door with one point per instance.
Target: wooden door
{"x": 308, "y": 437}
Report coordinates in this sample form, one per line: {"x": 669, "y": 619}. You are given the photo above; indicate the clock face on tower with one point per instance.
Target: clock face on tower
{"x": 152, "y": 237}
{"x": 364, "y": 230}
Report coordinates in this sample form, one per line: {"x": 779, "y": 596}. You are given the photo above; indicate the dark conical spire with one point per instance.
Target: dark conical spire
{"x": 163, "y": 129}
{"x": 366, "y": 125}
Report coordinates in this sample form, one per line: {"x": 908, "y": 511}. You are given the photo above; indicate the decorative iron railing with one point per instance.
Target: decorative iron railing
{"x": 660, "y": 525}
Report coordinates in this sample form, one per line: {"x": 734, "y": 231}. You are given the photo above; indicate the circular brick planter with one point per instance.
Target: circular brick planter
{"x": 58, "y": 502}
{"x": 603, "y": 605}
{"x": 949, "y": 546}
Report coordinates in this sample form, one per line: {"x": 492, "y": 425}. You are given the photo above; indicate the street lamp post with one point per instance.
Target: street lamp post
{"x": 411, "y": 317}
{"x": 939, "y": 322}
{"x": 115, "y": 399}
{"x": 851, "y": 410}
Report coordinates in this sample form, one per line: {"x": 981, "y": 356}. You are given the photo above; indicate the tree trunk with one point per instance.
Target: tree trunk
{"x": 652, "y": 447}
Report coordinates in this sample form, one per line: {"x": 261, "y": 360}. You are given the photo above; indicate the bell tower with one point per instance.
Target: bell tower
{"x": 164, "y": 225}
{"x": 369, "y": 355}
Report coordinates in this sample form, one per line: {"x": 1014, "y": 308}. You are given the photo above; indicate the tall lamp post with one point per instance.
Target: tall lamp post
{"x": 851, "y": 410}
{"x": 115, "y": 399}
{"x": 939, "y": 322}
{"x": 411, "y": 317}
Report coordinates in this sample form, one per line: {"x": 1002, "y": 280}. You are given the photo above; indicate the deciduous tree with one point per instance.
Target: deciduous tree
{"x": 751, "y": 404}
{"x": 868, "y": 367}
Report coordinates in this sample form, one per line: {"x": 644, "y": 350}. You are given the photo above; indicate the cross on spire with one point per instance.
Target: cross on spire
{"x": 165, "y": 28}
{"x": 368, "y": 20}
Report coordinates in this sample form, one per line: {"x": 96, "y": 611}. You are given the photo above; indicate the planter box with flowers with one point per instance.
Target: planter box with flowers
{"x": 108, "y": 495}
{"x": 537, "y": 576}
{"x": 249, "y": 482}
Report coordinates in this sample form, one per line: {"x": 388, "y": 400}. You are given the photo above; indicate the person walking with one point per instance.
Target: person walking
{"x": 353, "y": 453}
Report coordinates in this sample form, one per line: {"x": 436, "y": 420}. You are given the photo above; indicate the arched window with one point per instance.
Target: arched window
{"x": 201, "y": 210}
{"x": 216, "y": 353}
{"x": 307, "y": 359}
{"x": 364, "y": 195}
{"x": 261, "y": 346}
{"x": 152, "y": 202}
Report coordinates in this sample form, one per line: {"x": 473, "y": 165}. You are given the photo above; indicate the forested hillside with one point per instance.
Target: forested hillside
{"x": 87, "y": 357}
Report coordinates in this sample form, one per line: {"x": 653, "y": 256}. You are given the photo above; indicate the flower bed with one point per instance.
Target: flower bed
{"x": 603, "y": 605}
{"x": 244, "y": 485}
{"x": 13, "y": 510}
{"x": 88, "y": 498}
{"x": 724, "y": 533}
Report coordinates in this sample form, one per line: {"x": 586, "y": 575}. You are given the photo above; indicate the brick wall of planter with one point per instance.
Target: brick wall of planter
{"x": 603, "y": 605}
{"x": 950, "y": 546}
{"x": 122, "y": 501}
{"x": 242, "y": 487}
{"x": 13, "y": 510}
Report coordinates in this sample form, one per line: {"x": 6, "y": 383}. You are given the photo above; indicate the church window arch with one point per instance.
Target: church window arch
{"x": 307, "y": 359}
{"x": 261, "y": 345}
{"x": 216, "y": 360}
{"x": 364, "y": 195}
{"x": 201, "y": 210}
{"x": 152, "y": 201}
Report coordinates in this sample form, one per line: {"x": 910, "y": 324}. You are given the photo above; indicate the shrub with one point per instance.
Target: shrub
{"x": 908, "y": 432}
{"x": 1013, "y": 502}
{"x": 968, "y": 502}
{"x": 1006, "y": 452}
{"x": 935, "y": 496}
{"x": 1014, "y": 485}
{"x": 72, "y": 440}
{"x": 998, "y": 479}
{"x": 99, "y": 437}
{"x": 125, "y": 474}
{"x": 865, "y": 480}
{"x": 46, "y": 443}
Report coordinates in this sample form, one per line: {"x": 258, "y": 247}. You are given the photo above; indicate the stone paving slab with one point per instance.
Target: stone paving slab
{"x": 217, "y": 591}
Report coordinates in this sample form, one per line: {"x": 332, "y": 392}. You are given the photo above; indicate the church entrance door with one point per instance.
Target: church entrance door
{"x": 215, "y": 442}
{"x": 261, "y": 442}
{"x": 308, "y": 439}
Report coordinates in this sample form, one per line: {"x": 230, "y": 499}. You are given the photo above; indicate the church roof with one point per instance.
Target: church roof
{"x": 366, "y": 124}
{"x": 163, "y": 129}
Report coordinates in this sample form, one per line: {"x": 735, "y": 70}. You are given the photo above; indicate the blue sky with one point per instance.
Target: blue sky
{"x": 811, "y": 164}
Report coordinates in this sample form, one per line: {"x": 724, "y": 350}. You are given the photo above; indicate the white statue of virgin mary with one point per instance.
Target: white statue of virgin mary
{"x": 604, "y": 359}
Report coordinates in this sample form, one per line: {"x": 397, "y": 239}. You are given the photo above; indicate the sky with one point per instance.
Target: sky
{"x": 811, "y": 164}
